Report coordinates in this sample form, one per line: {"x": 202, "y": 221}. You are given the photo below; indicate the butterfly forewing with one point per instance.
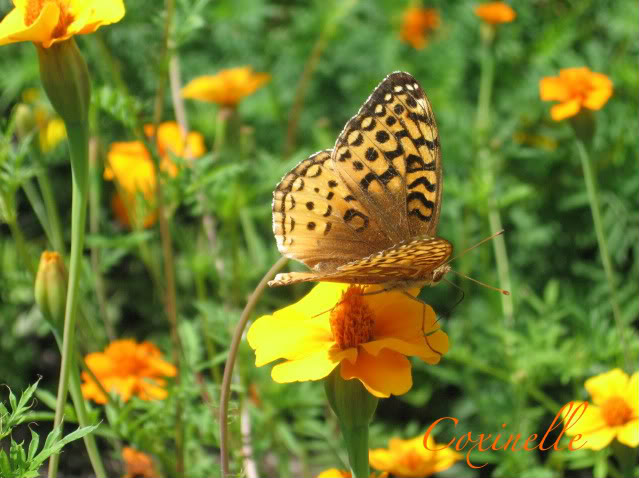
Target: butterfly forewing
{"x": 367, "y": 211}
{"x": 317, "y": 220}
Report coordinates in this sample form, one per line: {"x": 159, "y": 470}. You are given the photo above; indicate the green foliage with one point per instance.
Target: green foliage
{"x": 18, "y": 463}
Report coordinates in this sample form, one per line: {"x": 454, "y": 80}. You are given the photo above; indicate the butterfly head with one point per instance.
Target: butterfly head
{"x": 438, "y": 274}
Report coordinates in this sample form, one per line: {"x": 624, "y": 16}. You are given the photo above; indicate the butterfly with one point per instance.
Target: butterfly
{"x": 366, "y": 211}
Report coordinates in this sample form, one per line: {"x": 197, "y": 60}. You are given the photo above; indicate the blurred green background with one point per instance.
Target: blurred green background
{"x": 499, "y": 369}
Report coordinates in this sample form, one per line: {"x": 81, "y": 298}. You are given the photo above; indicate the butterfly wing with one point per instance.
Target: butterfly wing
{"x": 318, "y": 221}
{"x": 411, "y": 260}
{"x": 389, "y": 156}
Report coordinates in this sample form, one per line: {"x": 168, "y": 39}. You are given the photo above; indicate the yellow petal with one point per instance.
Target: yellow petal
{"x": 600, "y": 93}
{"x": 632, "y": 394}
{"x": 312, "y": 367}
{"x": 565, "y": 110}
{"x": 591, "y": 420}
{"x": 553, "y": 88}
{"x": 13, "y": 29}
{"x": 334, "y": 473}
{"x": 629, "y": 434}
{"x": 385, "y": 374}
{"x": 609, "y": 384}
{"x": 91, "y": 15}
{"x": 291, "y": 336}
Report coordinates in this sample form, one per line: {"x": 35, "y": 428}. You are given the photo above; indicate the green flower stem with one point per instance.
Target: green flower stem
{"x": 601, "y": 239}
{"x": 78, "y": 146}
{"x": 482, "y": 128}
{"x": 356, "y": 440}
{"x": 55, "y": 226}
{"x": 225, "y": 392}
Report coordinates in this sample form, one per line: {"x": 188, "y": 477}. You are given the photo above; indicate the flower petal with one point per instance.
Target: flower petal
{"x": 387, "y": 373}
{"x": 600, "y": 93}
{"x": 631, "y": 394}
{"x": 93, "y": 15}
{"x": 311, "y": 367}
{"x": 629, "y": 434}
{"x": 13, "y": 28}
{"x": 565, "y": 110}
{"x": 609, "y": 384}
{"x": 553, "y": 88}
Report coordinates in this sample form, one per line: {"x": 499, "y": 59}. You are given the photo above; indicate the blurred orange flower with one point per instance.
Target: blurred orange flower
{"x": 368, "y": 336}
{"x": 226, "y": 88}
{"x": 410, "y": 458}
{"x": 137, "y": 464}
{"x": 51, "y": 21}
{"x": 127, "y": 368}
{"x": 575, "y": 88}
{"x": 614, "y": 412}
{"x": 417, "y": 24}
{"x": 337, "y": 473}
{"x": 130, "y": 164}
{"x": 495, "y": 13}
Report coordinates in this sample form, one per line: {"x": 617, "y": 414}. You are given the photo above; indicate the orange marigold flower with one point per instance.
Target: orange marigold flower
{"x": 137, "y": 464}
{"x": 130, "y": 164}
{"x": 226, "y": 88}
{"x": 410, "y": 458}
{"x": 613, "y": 413}
{"x": 495, "y": 13}
{"x": 368, "y": 336}
{"x": 337, "y": 473}
{"x": 50, "y": 21}
{"x": 417, "y": 23}
{"x": 127, "y": 368}
{"x": 575, "y": 88}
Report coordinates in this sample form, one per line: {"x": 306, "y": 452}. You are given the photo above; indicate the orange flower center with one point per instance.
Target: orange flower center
{"x": 352, "y": 320}
{"x": 616, "y": 411}
{"x": 411, "y": 460}
{"x": 33, "y": 8}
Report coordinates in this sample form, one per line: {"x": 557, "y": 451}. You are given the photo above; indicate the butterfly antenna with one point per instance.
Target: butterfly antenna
{"x": 505, "y": 292}
{"x": 498, "y": 233}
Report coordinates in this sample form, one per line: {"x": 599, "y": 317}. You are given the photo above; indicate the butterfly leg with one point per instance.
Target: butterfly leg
{"x": 426, "y": 334}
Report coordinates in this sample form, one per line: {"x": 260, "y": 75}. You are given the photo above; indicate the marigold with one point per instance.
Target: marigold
{"x": 495, "y": 13}
{"x": 417, "y": 23}
{"x": 137, "y": 464}
{"x": 127, "y": 368}
{"x": 50, "y": 21}
{"x": 337, "y": 473}
{"x": 411, "y": 458}
{"x": 226, "y": 88}
{"x": 369, "y": 336}
{"x": 131, "y": 165}
{"x": 614, "y": 412}
{"x": 575, "y": 88}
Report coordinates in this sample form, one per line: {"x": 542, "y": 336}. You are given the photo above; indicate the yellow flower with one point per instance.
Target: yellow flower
{"x": 137, "y": 464}
{"x": 614, "y": 412}
{"x": 411, "y": 458}
{"x": 226, "y": 88}
{"x": 417, "y": 23}
{"x": 575, "y": 88}
{"x": 50, "y": 21}
{"x": 51, "y": 128}
{"x": 127, "y": 368}
{"x": 369, "y": 336}
{"x": 495, "y": 13}
{"x": 337, "y": 473}
{"x": 130, "y": 164}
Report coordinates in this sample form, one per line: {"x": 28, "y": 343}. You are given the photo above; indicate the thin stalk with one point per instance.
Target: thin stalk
{"x": 591, "y": 187}
{"x": 232, "y": 356}
{"x": 356, "y": 440}
{"x": 78, "y": 146}
{"x": 482, "y": 128}
{"x": 330, "y": 26}
{"x": 165, "y": 239}
{"x": 57, "y": 234}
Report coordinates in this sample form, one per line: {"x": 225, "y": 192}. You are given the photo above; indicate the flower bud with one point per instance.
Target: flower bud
{"x": 65, "y": 78}
{"x": 25, "y": 120}
{"x": 51, "y": 286}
